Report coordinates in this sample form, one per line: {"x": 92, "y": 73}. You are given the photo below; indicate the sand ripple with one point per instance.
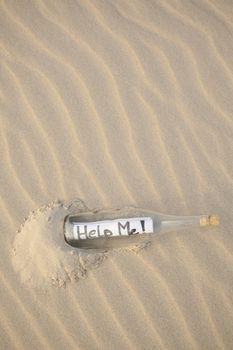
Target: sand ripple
{"x": 119, "y": 103}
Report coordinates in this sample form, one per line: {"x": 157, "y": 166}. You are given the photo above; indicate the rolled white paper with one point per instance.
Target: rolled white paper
{"x": 116, "y": 227}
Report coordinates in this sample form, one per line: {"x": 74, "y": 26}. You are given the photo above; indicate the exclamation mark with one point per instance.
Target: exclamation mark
{"x": 143, "y": 225}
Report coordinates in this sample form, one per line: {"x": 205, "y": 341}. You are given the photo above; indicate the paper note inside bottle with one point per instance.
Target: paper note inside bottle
{"x": 116, "y": 227}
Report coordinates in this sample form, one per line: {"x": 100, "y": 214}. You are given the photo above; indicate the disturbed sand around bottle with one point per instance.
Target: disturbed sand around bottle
{"x": 117, "y": 103}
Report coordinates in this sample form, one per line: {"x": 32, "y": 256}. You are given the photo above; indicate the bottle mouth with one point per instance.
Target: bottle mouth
{"x": 209, "y": 220}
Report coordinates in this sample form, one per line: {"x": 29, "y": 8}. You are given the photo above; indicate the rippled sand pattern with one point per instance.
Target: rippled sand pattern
{"x": 120, "y": 103}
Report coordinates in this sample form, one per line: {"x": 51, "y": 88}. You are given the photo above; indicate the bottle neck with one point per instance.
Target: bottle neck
{"x": 173, "y": 223}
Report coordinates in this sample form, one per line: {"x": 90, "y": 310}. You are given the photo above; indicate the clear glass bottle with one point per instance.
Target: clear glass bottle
{"x": 122, "y": 227}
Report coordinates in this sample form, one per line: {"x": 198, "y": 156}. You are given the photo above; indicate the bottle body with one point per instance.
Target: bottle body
{"x": 121, "y": 227}
{"x": 109, "y": 229}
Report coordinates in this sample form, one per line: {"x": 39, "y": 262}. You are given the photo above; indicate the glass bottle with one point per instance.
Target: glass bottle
{"x": 121, "y": 227}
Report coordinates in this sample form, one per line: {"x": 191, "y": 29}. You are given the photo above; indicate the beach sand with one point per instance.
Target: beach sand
{"x": 119, "y": 103}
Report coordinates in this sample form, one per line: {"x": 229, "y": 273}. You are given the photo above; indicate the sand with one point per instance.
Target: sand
{"x": 41, "y": 256}
{"x": 118, "y": 103}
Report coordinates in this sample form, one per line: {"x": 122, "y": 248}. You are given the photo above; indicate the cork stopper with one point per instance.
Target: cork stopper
{"x": 208, "y": 220}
